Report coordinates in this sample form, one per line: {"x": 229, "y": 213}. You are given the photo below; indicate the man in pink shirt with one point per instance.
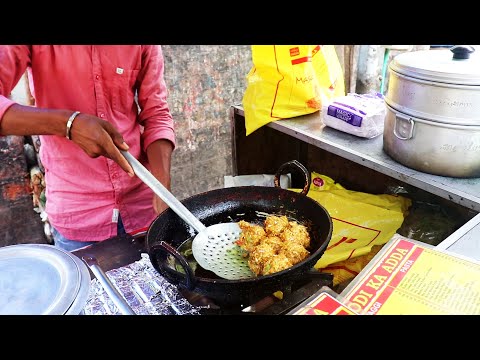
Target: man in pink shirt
{"x": 91, "y": 101}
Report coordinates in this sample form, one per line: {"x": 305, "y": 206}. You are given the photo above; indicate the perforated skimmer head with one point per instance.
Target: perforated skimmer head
{"x": 214, "y": 249}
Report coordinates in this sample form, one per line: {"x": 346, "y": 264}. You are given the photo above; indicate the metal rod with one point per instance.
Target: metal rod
{"x": 108, "y": 286}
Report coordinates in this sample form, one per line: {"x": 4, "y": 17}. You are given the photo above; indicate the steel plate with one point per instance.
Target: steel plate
{"x": 37, "y": 279}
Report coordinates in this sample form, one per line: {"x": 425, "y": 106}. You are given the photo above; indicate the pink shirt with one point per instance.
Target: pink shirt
{"x": 84, "y": 194}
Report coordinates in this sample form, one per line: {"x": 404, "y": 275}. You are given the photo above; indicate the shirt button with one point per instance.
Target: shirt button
{"x": 97, "y": 77}
{"x": 102, "y": 115}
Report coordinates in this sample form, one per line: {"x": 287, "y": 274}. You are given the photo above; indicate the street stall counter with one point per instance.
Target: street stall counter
{"x": 359, "y": 164}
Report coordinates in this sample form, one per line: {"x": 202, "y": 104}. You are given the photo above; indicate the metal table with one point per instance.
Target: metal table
{"x": 369, "y": 153}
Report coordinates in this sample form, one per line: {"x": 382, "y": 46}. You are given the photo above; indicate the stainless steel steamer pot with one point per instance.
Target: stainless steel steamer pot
{"x": 433, "y": 111}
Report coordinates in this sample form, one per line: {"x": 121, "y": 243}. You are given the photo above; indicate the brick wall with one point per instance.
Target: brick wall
{"x": 203, "y": 82}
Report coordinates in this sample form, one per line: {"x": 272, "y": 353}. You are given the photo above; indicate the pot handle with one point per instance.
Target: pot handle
{"x": 162, "y": 246}
{"x": 403, "y": 128}
{"x": 462, "y": 52}
{"x": 293, "y": 165}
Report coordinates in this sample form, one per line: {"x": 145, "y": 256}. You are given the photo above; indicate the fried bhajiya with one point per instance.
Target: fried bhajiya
{"x": 274, "y": 225}
{"x": 259, "y": 256}
{"x": 279, "y": 246}
{"x": 294, "y": 251}
{"x": 251, "y": 235}
{"x": 274, "y": 241}
{"x": 296, "y": 233}
{"x": 276, "y": 263}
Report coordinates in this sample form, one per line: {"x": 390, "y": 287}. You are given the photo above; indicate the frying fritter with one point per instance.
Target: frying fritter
{"x": 250, "y": 236}
{"x": 279, "y": 246}
{"x": 259, "y": 256}
{"x": 294, "y": 251}
{"x": 296, "y": 233}
{"x": 276, "y": 263}
{"x": 274, "y": 225}
{"x": 274, "y": 241}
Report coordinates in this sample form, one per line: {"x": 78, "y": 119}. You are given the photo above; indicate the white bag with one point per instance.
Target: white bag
{"x": 360, "y": 115}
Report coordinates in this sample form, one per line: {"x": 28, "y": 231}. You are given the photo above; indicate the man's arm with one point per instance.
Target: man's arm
{"x": 158, "y": 137}
{"x": 159, "y": 156}
{"x": 94, "y": 135}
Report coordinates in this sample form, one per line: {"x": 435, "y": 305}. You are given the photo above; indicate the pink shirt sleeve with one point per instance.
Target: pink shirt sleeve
{"x": 13, "y": 63}
{"x": 155, "y": 114}
{"x": 5, "y": 103}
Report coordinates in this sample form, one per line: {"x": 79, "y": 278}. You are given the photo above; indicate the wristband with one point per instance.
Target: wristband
{"x": 70, "y": 122}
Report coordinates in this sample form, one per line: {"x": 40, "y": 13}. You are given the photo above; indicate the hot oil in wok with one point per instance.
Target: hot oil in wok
{"x": 185, "y": 249}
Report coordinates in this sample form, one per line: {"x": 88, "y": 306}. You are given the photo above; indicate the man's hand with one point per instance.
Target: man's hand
{"x": 98, "y": 137}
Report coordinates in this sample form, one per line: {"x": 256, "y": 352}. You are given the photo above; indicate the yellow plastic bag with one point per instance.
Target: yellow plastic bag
{"x": 349, "y": 269}
{"x": 288, "y": 81}
{"x": 360, "y": 220}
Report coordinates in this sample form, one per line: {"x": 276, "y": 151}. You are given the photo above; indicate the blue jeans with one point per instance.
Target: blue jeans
{"x": 62, "y": 242}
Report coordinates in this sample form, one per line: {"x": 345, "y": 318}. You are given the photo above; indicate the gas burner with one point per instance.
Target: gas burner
{"x": 268, "y": 305}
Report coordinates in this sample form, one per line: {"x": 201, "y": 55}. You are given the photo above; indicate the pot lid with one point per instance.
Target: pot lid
{"x": 40, "y": 279}
{"x": 457, "y": 65}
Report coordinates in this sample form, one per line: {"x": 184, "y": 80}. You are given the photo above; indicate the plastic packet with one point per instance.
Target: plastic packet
{"x": 362, "y": 115}
{"x": 427, "y": 221}
{"x": 257, "y": 180}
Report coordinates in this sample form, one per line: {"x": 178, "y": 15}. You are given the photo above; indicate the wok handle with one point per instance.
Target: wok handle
{"x": 163, "y": 246}
{"x": 157, "y": 187}
{"x": 293, "y": 165}
{"x": 108, "y": 286}
{"x": 310, "y": 275}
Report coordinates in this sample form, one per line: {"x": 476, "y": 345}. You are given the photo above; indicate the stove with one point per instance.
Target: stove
{"x": 269, "y": 305}
{"x": 147, "y": 292}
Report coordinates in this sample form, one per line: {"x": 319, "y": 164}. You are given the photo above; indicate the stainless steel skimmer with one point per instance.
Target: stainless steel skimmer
{"x": 214, "y": 246}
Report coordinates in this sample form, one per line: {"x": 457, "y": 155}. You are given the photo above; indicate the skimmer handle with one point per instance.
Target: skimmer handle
{"x": 157, "y": 187}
